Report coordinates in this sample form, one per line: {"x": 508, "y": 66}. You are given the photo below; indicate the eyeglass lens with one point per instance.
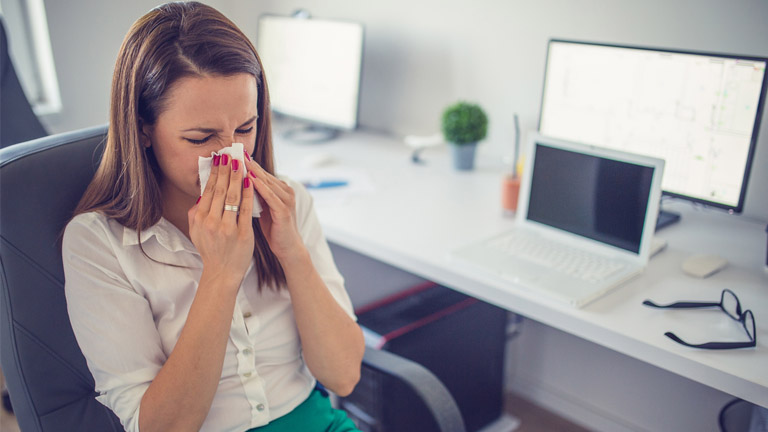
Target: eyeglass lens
{"x": 749, "y": 324}
{"x": 730, "y": 304}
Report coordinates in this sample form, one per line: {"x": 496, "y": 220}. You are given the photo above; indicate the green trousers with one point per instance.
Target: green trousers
{"x": 313, "y": 415}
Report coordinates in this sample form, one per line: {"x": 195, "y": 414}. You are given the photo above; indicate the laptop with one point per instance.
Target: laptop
{"x": 584, "y": 224}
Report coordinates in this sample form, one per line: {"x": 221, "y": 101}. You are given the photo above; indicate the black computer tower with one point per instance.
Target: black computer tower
{"x": 459, "y": 338}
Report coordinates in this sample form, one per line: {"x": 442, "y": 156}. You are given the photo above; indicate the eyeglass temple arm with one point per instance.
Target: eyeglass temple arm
{"x": 682, "y": 305}
{"x": 712, "y": 345}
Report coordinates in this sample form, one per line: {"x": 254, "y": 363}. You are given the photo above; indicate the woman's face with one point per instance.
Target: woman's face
{"x": 202, "y": 115}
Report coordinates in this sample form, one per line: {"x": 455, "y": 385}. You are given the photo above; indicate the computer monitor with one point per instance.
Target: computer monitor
{"x": 313, "y": 71}
{"x": 698, "y": 111}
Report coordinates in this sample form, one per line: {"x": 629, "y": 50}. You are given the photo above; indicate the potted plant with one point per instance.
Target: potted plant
{"x": 463, "y": 125}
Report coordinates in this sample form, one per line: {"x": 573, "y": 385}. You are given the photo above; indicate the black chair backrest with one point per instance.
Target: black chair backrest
{"x": 49, "y": 383}
{"x": 18, "y": 122}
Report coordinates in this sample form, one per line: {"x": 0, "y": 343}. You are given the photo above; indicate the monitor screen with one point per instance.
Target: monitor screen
{"x": 699, "y": 112}
{"x": 598, "y": 198}
{"x": 313, "y": 68}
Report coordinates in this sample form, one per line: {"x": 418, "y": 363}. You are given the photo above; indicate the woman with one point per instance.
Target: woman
{"x": 191, "y": 314}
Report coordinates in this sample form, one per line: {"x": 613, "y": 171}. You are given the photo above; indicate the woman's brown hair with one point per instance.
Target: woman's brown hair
{"x": 170, "y": 42}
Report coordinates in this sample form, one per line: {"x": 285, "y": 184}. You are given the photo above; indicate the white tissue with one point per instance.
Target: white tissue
{"x": 234, "y": 152}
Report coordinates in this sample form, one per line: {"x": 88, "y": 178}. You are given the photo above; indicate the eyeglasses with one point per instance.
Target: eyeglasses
{"x": 729, "y": 304}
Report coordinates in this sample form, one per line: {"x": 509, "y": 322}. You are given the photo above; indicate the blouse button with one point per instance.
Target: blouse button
{"x": 247, "y": 374}
{"x": 247, "y": 315}
{"x": 260, "y": 407}
{"x": 247, "y": 351}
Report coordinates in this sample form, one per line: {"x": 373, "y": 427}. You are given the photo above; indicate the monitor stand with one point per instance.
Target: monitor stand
{"x": 310, "y": 133}
{"x": 666, "y": 218}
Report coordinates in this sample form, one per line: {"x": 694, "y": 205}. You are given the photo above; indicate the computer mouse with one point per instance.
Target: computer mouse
{"x": 316, "y": 160}
{"x": 702, "y": 265}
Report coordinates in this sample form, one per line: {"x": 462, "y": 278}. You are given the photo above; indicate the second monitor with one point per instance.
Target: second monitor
{"x": 699, "y": 112}
{"x": 313, "y": 69}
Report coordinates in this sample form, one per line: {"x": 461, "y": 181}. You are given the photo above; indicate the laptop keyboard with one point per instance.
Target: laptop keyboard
{"x": 555, "y": 256}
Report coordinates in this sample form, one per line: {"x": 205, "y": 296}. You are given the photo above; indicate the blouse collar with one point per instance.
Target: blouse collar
{"x": 166, "y": 233}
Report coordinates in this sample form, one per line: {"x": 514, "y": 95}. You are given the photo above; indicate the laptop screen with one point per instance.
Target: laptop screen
{"x": 602, "y": 199}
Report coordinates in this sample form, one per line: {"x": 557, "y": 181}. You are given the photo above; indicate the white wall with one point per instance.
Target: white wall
{"x": 85, "y": 37}
{"x": 604, "y": 390}
{"x": 422, "y": 55}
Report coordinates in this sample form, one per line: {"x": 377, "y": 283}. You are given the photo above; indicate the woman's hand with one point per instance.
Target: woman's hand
{"x": 224, "y": 238}
{"x": 332, "y": 344}
{"x": 278, "y": 220}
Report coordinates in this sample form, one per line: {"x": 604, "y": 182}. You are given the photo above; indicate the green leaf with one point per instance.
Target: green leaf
{"x": 464, "y": 123}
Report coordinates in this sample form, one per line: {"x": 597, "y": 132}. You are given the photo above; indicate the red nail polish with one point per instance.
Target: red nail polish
{"x": 224, "y": 159}
{"x": 216, "y": 160}
{"x": 247, "y": 156}
{"x": 198, "y": 200}
{"x": 235, "y": 164}
{"x": 246, "y": 182}
{"x": 251, "y": 174}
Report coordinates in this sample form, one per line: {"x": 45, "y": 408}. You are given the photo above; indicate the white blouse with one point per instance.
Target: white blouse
{"x": 128, "y": 311}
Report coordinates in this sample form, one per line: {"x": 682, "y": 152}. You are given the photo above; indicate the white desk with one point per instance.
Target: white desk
{"x": 417, "y": 214}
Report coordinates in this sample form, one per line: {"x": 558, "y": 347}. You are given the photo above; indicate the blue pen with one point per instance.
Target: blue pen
{"x": 325, "y": 184}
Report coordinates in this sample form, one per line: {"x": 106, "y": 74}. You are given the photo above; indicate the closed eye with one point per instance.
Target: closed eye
{"x": 199, "y": 141}
{"x": 244, "y": 131}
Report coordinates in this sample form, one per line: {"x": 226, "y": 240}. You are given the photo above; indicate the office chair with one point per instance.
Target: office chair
{"x": 18, "y": 123}
{"x": 50, "y": 385}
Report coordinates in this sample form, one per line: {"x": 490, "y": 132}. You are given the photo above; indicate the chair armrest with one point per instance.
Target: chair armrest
{"x": 424, "y": 383}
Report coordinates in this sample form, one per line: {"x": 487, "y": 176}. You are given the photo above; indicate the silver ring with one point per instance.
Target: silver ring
{"x": 232, "y": 208}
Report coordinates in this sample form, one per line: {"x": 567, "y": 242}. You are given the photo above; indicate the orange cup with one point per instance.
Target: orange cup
{"x": 510, "y": 192}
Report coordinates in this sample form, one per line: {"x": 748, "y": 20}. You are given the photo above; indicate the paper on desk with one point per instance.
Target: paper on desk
{"x": 357, "y": 182}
